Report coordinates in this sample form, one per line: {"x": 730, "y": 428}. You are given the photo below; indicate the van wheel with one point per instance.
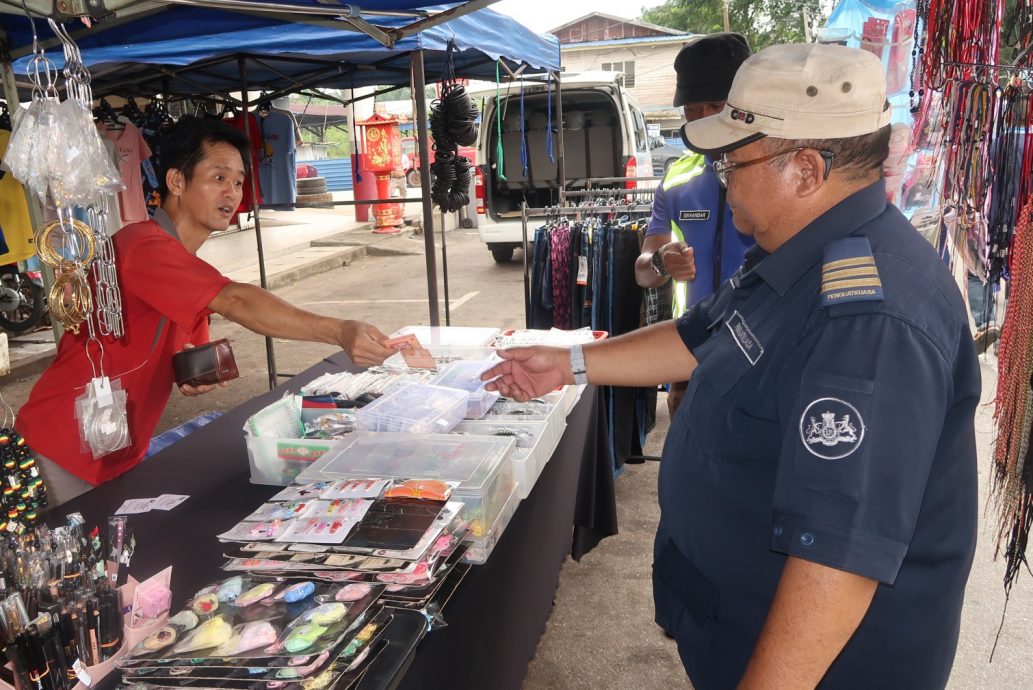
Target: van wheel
{"x": 502, "y": 255}
{"x": 412, "y": 178}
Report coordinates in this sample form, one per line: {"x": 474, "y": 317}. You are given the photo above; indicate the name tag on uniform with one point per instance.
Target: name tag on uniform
{"x": 744, "y": 337}
{"x": 694, "y": 215}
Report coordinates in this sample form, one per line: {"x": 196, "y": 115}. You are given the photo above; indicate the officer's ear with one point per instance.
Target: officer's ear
{"x": 809, "y": 172}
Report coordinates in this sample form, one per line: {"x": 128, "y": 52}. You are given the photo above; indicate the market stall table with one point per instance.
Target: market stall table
{"x": 498, "y": 612}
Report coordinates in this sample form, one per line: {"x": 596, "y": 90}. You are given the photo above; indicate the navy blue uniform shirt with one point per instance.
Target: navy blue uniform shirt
{"x": 830, "y": 418}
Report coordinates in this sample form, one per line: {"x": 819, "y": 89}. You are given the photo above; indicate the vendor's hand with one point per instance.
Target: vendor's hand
{"x": 364, "y": 343}
{"x": 529, "y": 372}
{"x": 679, "y": 260}
{"x": 193, "y": 391}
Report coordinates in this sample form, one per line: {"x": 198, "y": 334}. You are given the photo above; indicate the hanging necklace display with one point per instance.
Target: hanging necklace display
{"x": 57, "y": 152}
{"x": 452, "y": 118}
{"x": 24, "y": 495}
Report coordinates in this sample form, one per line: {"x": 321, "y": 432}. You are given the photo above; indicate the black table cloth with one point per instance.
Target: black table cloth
{"x": 498, "y": 612}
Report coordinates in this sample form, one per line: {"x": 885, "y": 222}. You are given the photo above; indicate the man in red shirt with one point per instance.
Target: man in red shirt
{"x": 167, "y": 295}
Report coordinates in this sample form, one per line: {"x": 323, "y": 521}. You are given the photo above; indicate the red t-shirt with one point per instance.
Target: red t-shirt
{"x": 159, "y": 279}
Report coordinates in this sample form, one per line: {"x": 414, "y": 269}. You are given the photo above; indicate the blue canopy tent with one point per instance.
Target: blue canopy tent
{"x": 202, "y": 47}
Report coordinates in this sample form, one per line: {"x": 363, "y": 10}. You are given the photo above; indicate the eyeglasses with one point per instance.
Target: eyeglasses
{"x": 723, "y": 167}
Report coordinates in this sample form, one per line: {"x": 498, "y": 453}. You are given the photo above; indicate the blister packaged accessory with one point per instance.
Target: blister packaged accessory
{"x": 102, "y": 417}
{"x": 282, "y": 419}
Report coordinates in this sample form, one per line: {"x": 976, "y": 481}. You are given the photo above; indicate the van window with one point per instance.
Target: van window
{"x": 640, "y": 128}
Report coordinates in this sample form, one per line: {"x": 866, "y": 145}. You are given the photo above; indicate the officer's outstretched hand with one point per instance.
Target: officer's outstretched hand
{"x": 679, "y": 260}
{"x": 364, "y": 343}
{"x": 529, "y": 372}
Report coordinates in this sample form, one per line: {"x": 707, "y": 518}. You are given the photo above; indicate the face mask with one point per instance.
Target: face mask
{"x": 684, "y": 138}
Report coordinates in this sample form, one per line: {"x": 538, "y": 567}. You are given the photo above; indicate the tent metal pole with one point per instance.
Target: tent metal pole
{"x": 270, "y": 354}
{"x": 561, "y": 169}
{"x": 419, "y": 87}
{"x": 444, "y": 269}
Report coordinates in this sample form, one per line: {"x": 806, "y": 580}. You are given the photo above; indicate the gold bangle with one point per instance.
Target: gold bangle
{"x": 50, "y": 256}
{"x": 72, "y": 313}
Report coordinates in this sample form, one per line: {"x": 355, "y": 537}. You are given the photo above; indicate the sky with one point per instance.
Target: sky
{"x": 542, "y": 15}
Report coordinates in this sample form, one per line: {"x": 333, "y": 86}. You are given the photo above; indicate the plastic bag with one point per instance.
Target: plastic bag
{"x": 101, "y": 413}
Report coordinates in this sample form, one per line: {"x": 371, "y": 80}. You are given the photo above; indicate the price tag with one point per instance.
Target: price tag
{"x": 81, "y": 674}
{"x": 102, "y": 391}
{"x": 582, "y": 270}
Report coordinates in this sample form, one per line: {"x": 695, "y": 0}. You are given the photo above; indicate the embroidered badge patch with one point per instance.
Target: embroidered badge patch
{"x": 744, "y": 337}
{"x": 849, "y": 273}
{"x": 831, "y": 429}
{"x": 703, "y": 214}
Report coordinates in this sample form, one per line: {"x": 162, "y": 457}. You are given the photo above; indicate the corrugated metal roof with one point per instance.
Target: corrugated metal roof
{"x": 564, "y": 47}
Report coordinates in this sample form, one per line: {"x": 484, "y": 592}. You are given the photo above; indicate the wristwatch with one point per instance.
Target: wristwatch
{"x": 657, "y": 264}
{"x": 577, "y": 365}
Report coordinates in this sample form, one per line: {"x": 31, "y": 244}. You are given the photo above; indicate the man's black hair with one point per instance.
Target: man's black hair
{"x": 183, "y": 146}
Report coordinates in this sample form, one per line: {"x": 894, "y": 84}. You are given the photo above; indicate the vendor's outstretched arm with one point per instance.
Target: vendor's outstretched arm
{"x": 263, "y": 312}
{"x": 647, "y": 357}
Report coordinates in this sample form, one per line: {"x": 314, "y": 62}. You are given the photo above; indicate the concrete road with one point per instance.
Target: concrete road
{"x": 601, "y": 633}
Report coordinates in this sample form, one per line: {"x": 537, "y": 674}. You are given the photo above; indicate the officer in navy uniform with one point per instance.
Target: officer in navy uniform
{"x": 691, "y": 245}
{"x": 818, "y": 486}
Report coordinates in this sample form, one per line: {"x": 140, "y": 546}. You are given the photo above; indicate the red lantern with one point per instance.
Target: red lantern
{"x": 380, "y": 153}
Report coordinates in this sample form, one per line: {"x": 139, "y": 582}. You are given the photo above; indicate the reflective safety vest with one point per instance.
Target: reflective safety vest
{"x": 681, "y": 171}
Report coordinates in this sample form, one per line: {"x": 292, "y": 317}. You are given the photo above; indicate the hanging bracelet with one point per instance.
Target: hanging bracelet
{"x": 577, "y": 365}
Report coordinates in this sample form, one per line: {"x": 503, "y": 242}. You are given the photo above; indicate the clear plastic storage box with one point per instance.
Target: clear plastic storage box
{"x": 480, "y": 549}
{"x": 279, "y": 461}
{"x": 415, "y": 408}
{"x": 534, "y": 446}
{"x": 481, "y": 465}
{"x": 466, "y": 375}
{"x": 443, "y": 355}
{"x": 463, "y": 336}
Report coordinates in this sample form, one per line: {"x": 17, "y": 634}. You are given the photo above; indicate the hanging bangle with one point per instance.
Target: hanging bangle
{"x": 577, "y": 365}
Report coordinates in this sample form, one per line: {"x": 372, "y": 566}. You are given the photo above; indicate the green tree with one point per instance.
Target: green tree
{"x": 763, "y": 22}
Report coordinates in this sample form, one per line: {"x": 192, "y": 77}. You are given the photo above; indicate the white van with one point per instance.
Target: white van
{"x": 604, "y": 135}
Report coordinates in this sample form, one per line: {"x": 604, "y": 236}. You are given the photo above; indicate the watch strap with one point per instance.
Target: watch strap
{"x": 577, "y": 365}
{"x": 657, "y": 262}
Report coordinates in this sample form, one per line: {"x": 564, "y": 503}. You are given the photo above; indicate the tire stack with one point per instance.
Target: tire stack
{"x": 312, "y": 191}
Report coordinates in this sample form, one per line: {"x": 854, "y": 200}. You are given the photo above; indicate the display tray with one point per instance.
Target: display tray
{"x": 294, "y": 617}
{"x": 478, "y": 551}
{"x": 461, "y": 336}
{"x": 481, "y": 465}
{"x": 535, "y": 444}
{"x": 443, "y": 355}
{"x": 466, "y": 375}
{"x": 415, "y": 408}
{"x": 278, "y": 461}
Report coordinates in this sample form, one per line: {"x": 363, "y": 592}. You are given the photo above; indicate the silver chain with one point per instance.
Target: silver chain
{"x": 107, "y": 295}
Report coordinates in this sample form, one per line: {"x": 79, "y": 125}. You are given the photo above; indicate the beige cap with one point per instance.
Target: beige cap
{"x": 797, "y": 91}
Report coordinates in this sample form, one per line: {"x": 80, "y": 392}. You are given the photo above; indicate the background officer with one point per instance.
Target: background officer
{"x": 818, "y": 489}
{"x": 691, "y": 240}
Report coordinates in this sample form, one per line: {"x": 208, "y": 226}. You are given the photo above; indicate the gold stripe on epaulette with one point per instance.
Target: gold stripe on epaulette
{"x": 838, "y": 273}
{"x": 846, "y": 263}
{"x": 833, "y": 286}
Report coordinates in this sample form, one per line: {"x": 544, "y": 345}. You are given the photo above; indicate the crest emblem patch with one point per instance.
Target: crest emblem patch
{"x": 831, "y": 429}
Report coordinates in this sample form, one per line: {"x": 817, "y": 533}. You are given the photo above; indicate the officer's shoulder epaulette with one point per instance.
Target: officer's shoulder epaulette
{"x": 849, "y": 273}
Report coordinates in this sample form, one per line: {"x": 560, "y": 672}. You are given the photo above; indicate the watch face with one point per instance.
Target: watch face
{"x": 658, "y": 265}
